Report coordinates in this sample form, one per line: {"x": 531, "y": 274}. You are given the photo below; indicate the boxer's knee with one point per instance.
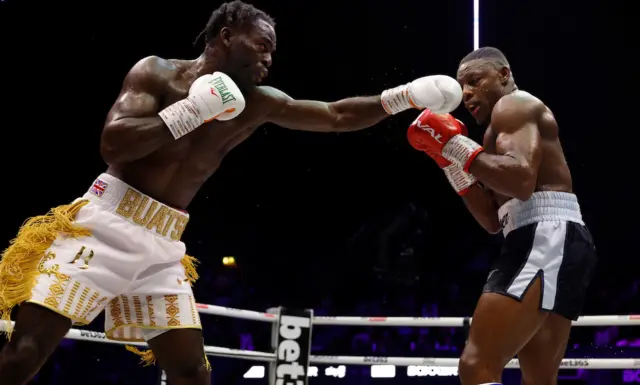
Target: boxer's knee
{"x": 189, "y": 373}
{"x": 474, "y": 369}
{"x": 180, "y": 353}
{"x": 541, "y": 377}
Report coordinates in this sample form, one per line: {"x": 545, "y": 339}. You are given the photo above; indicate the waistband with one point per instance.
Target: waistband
{"x": 542, "y": 206}
{"x": 138, "y": 208}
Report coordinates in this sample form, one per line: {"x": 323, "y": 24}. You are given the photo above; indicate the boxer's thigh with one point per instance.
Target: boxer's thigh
{"x": 37, "y": 333}
{"x": 540, "y": 358}
{"x": 501, "y": 326}
{"x": 171, "y": 323}
{"x": 574, "y": 273}
{"x": 160, "y": 298}
{"x": 508, "y": 313}
{"x": 72, "y": 281}
{"x": 78, "y": 276}
{"x": 180, "y": 353}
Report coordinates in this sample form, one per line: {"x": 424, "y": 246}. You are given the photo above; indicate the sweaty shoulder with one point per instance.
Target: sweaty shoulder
{"x": 150, "y": 73}
{"x": 515, "y": 110}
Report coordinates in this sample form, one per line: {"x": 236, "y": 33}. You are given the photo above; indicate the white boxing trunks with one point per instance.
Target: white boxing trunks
{"x": 131, "y": 263}
{"x": 545, "y": 237}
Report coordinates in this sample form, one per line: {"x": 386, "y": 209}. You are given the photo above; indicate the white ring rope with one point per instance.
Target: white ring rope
{"x": 567, "y": 363}
{"x": 593, "y": 320}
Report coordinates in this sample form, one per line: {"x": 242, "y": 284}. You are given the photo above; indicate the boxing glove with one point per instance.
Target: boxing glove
{"x": 439, "y": 93}
{"x": 460, "y": 180}
{"x": 443, "y": 136}
{"x": 211, "y": 96}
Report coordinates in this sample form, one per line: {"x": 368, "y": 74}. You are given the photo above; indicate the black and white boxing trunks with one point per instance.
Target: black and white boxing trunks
{"x": 545, "y": 237}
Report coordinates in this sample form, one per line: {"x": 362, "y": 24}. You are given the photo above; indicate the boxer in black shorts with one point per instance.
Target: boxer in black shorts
{"x": 517, "y": 182}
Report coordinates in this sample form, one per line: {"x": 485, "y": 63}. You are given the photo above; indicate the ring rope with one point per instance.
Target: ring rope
{"x": 567, "y": 363}
{"x": 593, "y": 320}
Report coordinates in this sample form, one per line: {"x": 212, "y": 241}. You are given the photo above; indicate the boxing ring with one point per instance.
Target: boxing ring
{"x": 269, "y": 317}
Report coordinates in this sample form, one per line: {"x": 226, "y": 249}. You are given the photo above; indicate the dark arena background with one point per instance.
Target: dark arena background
{"x": 352, "y": 224}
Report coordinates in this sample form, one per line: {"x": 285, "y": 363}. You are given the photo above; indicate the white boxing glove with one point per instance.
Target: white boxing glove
{"x": 439, "y": 93}
{"x": 211, "y": 96}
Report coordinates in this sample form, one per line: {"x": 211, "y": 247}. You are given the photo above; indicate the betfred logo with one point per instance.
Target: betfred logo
{"x": 293, "y": 347}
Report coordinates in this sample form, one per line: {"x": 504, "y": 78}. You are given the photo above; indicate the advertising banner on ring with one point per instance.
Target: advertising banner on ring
{"x": 291, "y": 341}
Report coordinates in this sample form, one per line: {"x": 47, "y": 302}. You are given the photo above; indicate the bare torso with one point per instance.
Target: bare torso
{"x": 553, "y": 173}
{"x": 174, "y": 173}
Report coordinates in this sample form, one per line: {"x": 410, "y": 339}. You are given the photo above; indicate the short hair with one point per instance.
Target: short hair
{"x": 490, "y": 54}
{"x": 232, "y": 14}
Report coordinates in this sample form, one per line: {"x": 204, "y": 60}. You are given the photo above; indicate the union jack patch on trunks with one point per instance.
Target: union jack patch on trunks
{"x": 99, "y": 188}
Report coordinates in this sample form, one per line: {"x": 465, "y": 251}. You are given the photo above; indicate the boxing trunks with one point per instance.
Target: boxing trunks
{"x": 545, "y": 237}
{"x": 114, "y": 249}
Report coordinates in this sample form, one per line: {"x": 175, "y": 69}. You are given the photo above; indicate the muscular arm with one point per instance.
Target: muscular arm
{"x": 133, "y": 128}
{"x": 482, "y": 205}
{"x": 514, "y": 170}
{"x": 349, "y": 114}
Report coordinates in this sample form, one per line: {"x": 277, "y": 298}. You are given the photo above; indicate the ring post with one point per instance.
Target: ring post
{"x": 162, "y": 377}
{"x": 291, "y": 342}
{"x": 274, "y": 342}
{"x": 466, "y": 327}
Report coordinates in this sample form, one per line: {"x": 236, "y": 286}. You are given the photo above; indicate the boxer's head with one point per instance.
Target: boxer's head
{"x": 239, "y": 42}
{"x": 485, "y": 76}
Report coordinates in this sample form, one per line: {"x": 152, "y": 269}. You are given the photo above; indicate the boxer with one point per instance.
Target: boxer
{"x": 118, "y": 247}
{"x": 517, "y": 182}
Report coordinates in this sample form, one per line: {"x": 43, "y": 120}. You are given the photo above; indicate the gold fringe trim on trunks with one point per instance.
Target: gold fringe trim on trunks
{"x": 148, "y": 358}
{"x": 189, "y": 263}
{"x": 19, "y": 262}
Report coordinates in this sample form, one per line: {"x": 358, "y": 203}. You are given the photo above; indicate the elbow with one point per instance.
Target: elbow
{"x": 108, "y": 153}
{"x": 338, "y": 125}
{"x": 109, "y": 150}
{"x": 523, "y": 193}
{"x": 525, "y": 185}
{"x": 339, "y": 120}
{"x": 491, "y": 223}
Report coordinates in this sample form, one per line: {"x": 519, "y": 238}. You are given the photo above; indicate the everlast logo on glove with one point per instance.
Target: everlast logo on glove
{"x": 219, "y": 85}
{"x": 292, "y": 347}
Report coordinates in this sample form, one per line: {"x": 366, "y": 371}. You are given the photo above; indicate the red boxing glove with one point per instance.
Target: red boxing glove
{"x": 463, "y": 129}
{"x": 430, "y": 132}
{"x": 415, "y": 137}
{"x": 420, "y": 134}
{"x": 443, "y": 135}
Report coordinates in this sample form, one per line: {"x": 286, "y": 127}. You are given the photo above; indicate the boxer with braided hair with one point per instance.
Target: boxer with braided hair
{"x": 119, "y": 247}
